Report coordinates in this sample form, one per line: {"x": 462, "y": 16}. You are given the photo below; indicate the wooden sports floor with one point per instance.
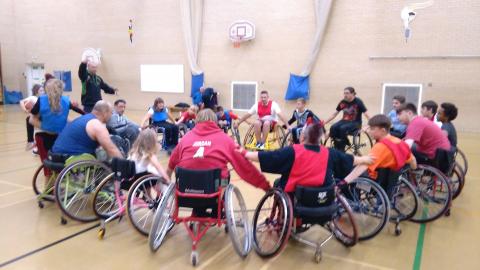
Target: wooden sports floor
{"x": 33, "y": 238}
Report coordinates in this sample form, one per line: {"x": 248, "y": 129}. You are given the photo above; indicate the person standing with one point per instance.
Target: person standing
{"x": 92, "y": 84}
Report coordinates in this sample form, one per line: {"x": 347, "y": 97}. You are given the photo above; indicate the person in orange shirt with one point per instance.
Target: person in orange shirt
{"x": 388, "y": 152}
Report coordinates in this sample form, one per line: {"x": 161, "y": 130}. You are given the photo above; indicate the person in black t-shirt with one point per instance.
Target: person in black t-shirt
{"x": 352, "y": 108}
{"x": 301, "y": 116}
{"x": 446, "y": 114}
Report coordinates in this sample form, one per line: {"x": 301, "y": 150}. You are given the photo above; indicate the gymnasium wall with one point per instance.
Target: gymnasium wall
{"x": 55, "y": 33}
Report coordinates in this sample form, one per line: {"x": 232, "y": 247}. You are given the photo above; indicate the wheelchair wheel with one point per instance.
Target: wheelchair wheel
{"x": 461, "y": 158}
{"x": 105, "y": 203}
{"x": 237, "y": 221}
{"x": 370, "y": 206}
{"x": 143, "y": 199}
{"x": 344, "y": 227}
{"x": 275, "y": 138}
{"x": 249, "y": 141}
{"x": 457, "y": 179}
{"x": 404, "y": 201}
{"x": 43, "y": 184}
{"x": 361, "y": 143}
{"x": 272, "y": 223}
{"x": 288, "y": 139}
{"x": 162, "y": 220}
{"x": 235, "y": 135}
{"x": 433, "y": 190}
{"x": 75, "y": 185}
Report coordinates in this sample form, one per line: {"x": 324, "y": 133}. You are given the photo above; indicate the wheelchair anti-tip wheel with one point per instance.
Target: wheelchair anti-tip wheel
{"x": 272, "y": 223}
{"x": 237, "y": 221}
{"x": 163, "y": 219}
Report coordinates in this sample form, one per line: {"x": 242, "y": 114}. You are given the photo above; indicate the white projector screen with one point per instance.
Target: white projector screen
{"x": 162, "y": 78}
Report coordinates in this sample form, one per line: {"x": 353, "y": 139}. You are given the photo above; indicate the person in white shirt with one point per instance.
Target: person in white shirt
{"x": 268, "y": 113}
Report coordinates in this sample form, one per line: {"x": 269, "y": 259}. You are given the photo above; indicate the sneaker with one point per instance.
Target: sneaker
{"x": 29, "y": 146}
{"x": 258, "y": 145}
{"x": 261, "y": 147}
{"x": 35, "y": 151}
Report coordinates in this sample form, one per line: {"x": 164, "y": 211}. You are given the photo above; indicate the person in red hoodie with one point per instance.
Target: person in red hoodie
{"x": 206, "y": 146}
{"x": 388, "y": 153}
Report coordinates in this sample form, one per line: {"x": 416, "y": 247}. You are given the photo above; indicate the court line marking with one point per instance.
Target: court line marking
{"x": 23, "y": 256}
{"x": 211, "y": 259}
{"x": 11, "y": 204}
{"x": 15, "y": 185}
{"x": 417, "y": 262}
{"x": 13, "y": 192}
{"x": 18, "y": 169}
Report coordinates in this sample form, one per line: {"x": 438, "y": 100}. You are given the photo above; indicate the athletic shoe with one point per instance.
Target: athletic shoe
{"x": 29, "y": 146}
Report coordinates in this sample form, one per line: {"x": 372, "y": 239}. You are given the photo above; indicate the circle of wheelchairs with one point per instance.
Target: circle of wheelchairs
{"x": 86, "y": 189}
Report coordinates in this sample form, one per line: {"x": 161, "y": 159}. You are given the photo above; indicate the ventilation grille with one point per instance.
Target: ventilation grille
{"x": 411, "y": 92}
{"x": 244, "y": 95}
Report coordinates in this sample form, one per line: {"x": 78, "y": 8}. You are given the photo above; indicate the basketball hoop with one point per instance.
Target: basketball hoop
{"x": 241, "y": 31}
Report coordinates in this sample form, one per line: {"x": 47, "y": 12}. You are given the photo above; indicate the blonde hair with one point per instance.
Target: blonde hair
{"x": 206, "y": 115}
{"x": 54, "y": 90}
{"x": 145, "y": 146}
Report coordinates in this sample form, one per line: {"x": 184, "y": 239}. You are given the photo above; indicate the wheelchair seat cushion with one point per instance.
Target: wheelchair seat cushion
{"x": 57, "y": 157}
{"x": 54, "y": 166}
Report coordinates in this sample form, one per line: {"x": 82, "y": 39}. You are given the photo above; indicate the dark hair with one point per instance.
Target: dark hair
{"x": 119, "y": 101}
{"x": 48, "y": 76}
{"x": 351, "y": 90}
{"x": 264, "y": 92}
{"x": 155, "y": 103}
{"x": 35, "y": 89}
{"x": 219, "y": 109}
{"x": 430, "y": 105}
{"x": 313, "y": 133}
{"x": 408, "y": 107}
{"x": 381, "y": 121}
{"x": 400, "y": 99}
{"x": 450, "y": 110}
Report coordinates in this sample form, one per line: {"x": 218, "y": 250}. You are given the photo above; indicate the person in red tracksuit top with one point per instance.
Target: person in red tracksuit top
{"x": 307, "y": 164}
{"x": 206, "y": 146}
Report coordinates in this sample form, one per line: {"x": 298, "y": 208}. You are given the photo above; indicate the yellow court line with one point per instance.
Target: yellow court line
{"x": 15, "y": 185}
{"x": 14, "y": 191}
{"x": 11, "y": 204}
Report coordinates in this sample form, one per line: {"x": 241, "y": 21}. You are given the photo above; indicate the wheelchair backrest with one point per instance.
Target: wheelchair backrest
{"x": 387, "y": 179}
{"x": 123, "y": 168}
{"x": 315, "y": 196}
{"x": 197, "y": 182}
{"x": 444, "y": 160}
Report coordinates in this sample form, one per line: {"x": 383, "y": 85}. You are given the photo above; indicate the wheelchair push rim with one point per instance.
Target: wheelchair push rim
{"x": 163, "y": 219}
{"x": 75, "y": 186}
{"x": 143, "y": 199}
{"x": 43, "y": 187}
{"x": 404, "y": 201}
{"x": 345, "y": 228}
{"x": 237, "y": 221}
{"x": 370, "y": 206}
{"x": 105, "y": 201}
{"x": 434, "y": 192}
{"x": 273, "y": 219}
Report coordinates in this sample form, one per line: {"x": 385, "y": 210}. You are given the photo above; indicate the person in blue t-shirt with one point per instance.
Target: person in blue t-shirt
{"x": 158, "y": 114}
{"x": 398, "y": 128}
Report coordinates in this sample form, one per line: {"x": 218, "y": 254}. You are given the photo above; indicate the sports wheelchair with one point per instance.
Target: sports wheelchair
{"x": 273, "y": 141}
{"x": 214, "y": 201}
{"x": 125, "y": 192}
{"x": 359, "y": 142}
{"x": 67, "y": 180}
{"x": 276, "y": 218}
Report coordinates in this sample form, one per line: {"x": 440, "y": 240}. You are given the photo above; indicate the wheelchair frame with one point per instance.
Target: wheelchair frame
{"x": 355, "y": 144}
{"x": 249, "y": 142}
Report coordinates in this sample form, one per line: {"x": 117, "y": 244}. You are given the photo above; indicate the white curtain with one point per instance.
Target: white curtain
{"x": 322, "y": 12}
{"x": 192, "y": 14}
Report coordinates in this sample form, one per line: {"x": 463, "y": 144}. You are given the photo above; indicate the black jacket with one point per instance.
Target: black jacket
{"x": 91, "y": 85}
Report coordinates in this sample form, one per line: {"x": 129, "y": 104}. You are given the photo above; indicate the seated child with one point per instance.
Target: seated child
{"x": 389, "y": 152}
{"x": 301, "y": 116}
{"x": 225, "y": 118}
{"x": 446, "y": 114}
{"x": 188, "y": 117}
